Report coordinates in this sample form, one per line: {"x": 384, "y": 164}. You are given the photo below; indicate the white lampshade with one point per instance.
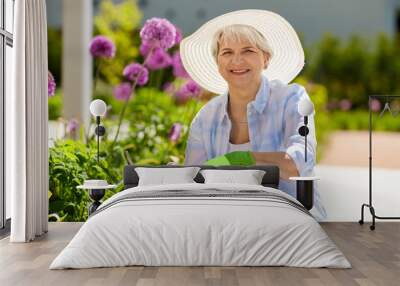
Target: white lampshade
{"x": 305, "y": 107}
{"x": 98, "y": 107}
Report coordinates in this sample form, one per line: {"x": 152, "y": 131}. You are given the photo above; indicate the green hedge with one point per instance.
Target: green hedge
{"x": 355, "y": 69}
{"x": 359, "y": 120}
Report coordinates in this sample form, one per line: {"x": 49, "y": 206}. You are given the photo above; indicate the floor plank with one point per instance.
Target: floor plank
{"x": 374, "y": 255}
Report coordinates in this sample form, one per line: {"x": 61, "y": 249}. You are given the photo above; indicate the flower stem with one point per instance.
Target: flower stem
{"x": 121, "y": 115}
{"x": 160, "y": 74}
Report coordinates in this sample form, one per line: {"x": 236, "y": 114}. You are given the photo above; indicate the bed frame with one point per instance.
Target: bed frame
{"x": 270, "y": 179}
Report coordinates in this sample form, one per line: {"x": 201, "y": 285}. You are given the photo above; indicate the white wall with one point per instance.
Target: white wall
{"x": 344, "y": 189}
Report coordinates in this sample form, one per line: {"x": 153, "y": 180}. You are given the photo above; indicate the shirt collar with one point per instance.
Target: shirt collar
{"x": 259, "y": 103}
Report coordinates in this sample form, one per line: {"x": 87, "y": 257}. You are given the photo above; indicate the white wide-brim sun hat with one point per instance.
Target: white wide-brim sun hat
{"x": 286, "y": 63}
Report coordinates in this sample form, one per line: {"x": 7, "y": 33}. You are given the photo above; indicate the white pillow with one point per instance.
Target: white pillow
{"x": 163, "y": 176}
{"x": 249, "y": 177}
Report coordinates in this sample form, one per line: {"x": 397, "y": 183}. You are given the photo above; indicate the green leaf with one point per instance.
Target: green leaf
{"x": 57, "y": 206}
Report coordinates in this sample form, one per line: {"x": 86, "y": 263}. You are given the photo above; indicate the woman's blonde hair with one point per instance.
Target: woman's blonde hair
{"x": 240, "y": 32}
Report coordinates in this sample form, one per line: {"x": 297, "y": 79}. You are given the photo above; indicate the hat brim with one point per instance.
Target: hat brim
{"x": 285, "y": 65}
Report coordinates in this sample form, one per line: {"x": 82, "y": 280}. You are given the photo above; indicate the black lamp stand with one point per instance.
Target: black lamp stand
{"x": 99, "y": 131}
{"x": 303, "y": 131}
{"x": 97, "y": 194}
{"x": 305, "y": 185}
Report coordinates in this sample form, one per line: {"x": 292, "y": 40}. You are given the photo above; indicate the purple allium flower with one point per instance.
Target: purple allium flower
{"x": 175, "y": 132}
{"x": 102, "y": 47}
{"x": 158, "y": 59}
{"x": 181, "y": 97}
{"x": 123, "y": 91}
{"x": 72, "y": 125}
{"x": 178, "y": 69}
{"x": 375, "y": 105}
{"x": 51, "y": 84}
{"x": 159, "y": 33}
{"x": 192, "y": 88}
{"x": 345, "y": 104}
{"x": 331, "y": 105}
{"x": 144, "y": 49}
{"x": 178, "y": 36}
{"x": 169, "y": 87}
{"x": 188, "y": 90}
{"x": 136, "y": 71}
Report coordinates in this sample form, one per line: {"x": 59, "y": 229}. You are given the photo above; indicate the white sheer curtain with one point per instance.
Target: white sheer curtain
{"x": 26, "y": 124}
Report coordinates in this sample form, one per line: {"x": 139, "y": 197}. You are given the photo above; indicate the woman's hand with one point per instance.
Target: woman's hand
{"x": 287, "y": 167}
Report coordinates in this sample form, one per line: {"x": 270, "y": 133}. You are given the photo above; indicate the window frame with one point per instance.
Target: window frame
{"x": 6, "y": 39}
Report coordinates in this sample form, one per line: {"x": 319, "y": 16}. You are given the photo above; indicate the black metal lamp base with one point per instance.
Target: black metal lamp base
{"x": 305, "y": 190}
{"x": 96, "y": 195}
{"x": 305, "y": 193}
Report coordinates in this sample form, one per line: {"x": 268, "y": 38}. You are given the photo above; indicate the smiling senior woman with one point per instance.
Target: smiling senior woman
{"x": 249, "y": 57}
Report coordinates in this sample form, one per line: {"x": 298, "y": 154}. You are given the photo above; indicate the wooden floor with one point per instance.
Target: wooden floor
{"x": 374, "y": 255}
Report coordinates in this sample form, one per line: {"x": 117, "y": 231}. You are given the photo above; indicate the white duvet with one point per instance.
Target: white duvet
{"x": 200, "y": 231}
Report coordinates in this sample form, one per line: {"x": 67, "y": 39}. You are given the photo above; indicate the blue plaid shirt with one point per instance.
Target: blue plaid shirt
{"x": 273, "y": 121}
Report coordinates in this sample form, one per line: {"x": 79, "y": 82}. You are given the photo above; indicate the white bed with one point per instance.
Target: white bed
{"x": 269, "y": 229}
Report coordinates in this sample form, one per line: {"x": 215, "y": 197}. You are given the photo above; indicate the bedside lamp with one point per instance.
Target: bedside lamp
{"x": 97, "y": 188}
{"x": 305, "y": 108}
{"x": 98, "y": 109}
{"x": 304, "y": 185}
